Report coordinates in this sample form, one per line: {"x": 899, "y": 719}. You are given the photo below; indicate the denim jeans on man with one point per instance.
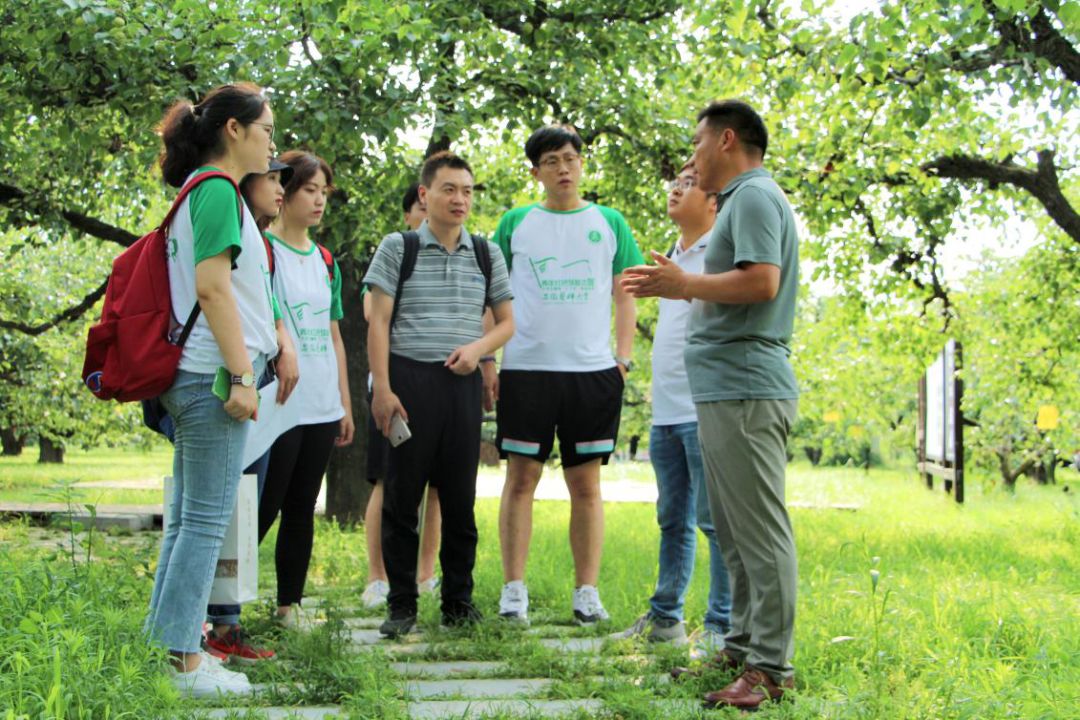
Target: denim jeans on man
{"x": 209, "y": 447}
{"x": 681, "y": 507}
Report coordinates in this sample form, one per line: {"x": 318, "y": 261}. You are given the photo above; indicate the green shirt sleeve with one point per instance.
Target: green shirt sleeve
{"x": 277, "y": 308}
{"x": 335, "y": 294}
{"x": 215, "y": 219}
{"x": 507, "y": 225}
{"x": 627, "y": 253}
{"x": 755, "y": 227}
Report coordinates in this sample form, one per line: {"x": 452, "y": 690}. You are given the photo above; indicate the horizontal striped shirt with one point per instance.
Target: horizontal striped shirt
{"x": 442, "y": 302}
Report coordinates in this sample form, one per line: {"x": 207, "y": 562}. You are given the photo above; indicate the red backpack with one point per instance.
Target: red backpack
{"x": 129, "y": 353}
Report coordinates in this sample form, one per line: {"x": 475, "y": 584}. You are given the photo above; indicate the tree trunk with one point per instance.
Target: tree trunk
{"x": 813, "y": 454}
{"x": 50, "y": 451}
{"x": 12, "y": 441}
{"x": 347, "y": 488}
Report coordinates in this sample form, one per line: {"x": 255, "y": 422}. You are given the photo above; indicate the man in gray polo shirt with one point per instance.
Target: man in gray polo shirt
{"x": 744, "y": 390}
{"x": 426, "y": 372}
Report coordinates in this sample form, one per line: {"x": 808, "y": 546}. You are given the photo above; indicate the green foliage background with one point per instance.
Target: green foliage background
{"x": 870, "y": 115}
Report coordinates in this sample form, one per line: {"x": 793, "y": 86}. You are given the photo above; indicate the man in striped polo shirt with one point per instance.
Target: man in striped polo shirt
{"x": 426, "y": 372}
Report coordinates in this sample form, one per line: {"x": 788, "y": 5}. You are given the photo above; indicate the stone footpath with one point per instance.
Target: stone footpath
{"x": 465, "y": 689}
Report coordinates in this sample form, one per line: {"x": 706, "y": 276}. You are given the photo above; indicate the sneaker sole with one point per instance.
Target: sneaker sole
{"x": 583, "y": 620}
{"x": 515, "y": 618}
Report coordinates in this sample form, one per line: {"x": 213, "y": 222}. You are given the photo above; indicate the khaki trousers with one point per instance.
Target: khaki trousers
{"x": 744, "y": 446}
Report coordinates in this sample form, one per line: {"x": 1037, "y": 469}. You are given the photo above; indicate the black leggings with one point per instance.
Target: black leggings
{"x": 298, "y": 461}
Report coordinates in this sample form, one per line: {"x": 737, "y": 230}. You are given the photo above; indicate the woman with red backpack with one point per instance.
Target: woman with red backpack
{"x": 217, "y": 261}
{"x": 307, "y": 283}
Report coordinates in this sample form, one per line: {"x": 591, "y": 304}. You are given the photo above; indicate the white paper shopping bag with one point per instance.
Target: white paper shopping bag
{"x": 236, "y": 579}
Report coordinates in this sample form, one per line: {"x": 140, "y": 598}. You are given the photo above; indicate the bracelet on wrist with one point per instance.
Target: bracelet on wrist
{"x": 487, "y": 358}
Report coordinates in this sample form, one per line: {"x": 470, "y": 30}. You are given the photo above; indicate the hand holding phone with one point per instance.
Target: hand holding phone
{"x": 399, "y": 431}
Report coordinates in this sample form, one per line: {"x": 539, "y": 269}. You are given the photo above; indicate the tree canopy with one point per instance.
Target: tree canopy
{"x": 895, "y": 130}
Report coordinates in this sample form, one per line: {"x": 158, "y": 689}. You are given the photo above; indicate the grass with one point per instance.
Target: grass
{"x": 910, "y": 607}
{"x": 23, "y": 479}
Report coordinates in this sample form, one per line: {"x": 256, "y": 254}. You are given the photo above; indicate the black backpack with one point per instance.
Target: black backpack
{"x": 408, "y": 263}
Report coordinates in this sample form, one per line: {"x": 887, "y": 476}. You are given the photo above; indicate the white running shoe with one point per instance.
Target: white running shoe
{"x": 375, "y": 594}
{"x": 514, "y": 602}
{"x": 705, "y": 644}
{"x": 427, "y": 587}
{"x": 655, "y": 631}
{"x": 210, "y": 680}
{"x": 588, "y": 610}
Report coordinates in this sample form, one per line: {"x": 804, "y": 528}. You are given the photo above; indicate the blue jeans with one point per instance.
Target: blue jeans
{"x": 209, "y": 446}
{"x": 230, "y": 614}
{"x": 681, "y": 504}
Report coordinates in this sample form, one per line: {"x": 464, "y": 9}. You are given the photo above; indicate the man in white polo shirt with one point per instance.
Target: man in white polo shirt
{"x": 675, "y": 450}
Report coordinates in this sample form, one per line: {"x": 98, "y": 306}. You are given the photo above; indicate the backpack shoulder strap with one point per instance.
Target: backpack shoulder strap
{"x": 190, "y": 185}
{"x": 483, "y": 259}
{"x": 269, "y": 254}
{"x": 408, "y": 263}
{"x": 671, "y": 250}
{"x": 328, "y": 260}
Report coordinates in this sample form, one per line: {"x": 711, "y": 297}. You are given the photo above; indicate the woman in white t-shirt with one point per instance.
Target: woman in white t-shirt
{"x": 307, "y": 284}
{"x": 216, "y": 261}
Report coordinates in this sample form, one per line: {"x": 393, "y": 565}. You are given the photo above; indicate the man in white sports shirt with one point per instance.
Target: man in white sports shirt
{"x": 559, "y": 376}
{"x": 682, "y": 504}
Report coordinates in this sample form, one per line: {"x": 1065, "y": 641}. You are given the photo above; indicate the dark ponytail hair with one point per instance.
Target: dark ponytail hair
{"x": 191, "y": 134}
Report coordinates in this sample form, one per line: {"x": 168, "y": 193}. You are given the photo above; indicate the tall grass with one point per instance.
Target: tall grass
{"x": 909, "y": 607}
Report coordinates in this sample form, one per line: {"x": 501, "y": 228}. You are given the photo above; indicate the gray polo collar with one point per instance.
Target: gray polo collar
{"x": 744, "y": 177}
{"x": 428, "y": 238}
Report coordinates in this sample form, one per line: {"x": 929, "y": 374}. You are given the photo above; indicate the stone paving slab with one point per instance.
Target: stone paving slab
{"x": 470, "y": 668}
{"x": 285, "y": 713}
{"x": 574, "y": 644}
{"x": 461, "y": 709}
{"x": 362, "y": 623}
{"x": 473, "y": 688}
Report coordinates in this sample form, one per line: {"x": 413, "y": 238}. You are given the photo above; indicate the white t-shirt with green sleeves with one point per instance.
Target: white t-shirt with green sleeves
{"x": 309, "y": 302}
{"x": 207, "y": 224}
{"x": 561, "y": 268}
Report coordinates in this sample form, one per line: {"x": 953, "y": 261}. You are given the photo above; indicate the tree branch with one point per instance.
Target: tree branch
{"x": 15, "y": 196}
{"x": 1042, "y": 182}
{"x": 1039, "y": 37}
{"x": 72, "y": 313}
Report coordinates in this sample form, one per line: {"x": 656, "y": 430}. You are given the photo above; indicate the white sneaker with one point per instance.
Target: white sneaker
{"x": 655, "y": 631}
{"x": 375, "y": 594}
{"x": 291, "y": 619}
{"x": 705, "y": 644}
{"x": 588, "y": 610}
{"x": 514, "y": 602}
{"x": 210, "y": 680}
{"x": 427, "y": 587}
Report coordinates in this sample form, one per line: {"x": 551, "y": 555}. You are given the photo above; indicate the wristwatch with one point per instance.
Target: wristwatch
{"x": 247, "y": 379}
{"x": 626, "y": 362}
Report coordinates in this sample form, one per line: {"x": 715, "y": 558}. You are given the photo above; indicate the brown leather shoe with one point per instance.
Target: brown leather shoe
{"x": 723, "y": 660}
{"x": 749, "y": 691}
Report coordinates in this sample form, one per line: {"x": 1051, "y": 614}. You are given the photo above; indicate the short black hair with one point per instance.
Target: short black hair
{"x": 551, "y": 137}
{"x": 739, "y": 117}
{"x": 412, "y": 196}
{"x": 441, "y": 159}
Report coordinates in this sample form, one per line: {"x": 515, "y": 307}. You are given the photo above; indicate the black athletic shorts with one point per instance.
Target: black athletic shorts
{"x": 581, "y": 408}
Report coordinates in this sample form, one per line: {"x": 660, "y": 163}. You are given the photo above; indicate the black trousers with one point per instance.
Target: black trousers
{"x": 298, "y": 461}
{"x": 444, "y": 417}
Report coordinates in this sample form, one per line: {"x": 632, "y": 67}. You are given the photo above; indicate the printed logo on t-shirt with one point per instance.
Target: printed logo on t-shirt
{"x": 594, "y": 236}
{"x": 563, "y": 284}
{"x": 312, "y": 340}
{"x": 173, "y": 248}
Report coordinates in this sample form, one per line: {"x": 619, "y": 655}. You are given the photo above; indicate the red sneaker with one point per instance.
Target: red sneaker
{"x": 234, "y": 645}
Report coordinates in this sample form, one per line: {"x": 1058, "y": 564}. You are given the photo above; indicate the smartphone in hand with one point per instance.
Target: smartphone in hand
{"x": 399, "y": 430}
